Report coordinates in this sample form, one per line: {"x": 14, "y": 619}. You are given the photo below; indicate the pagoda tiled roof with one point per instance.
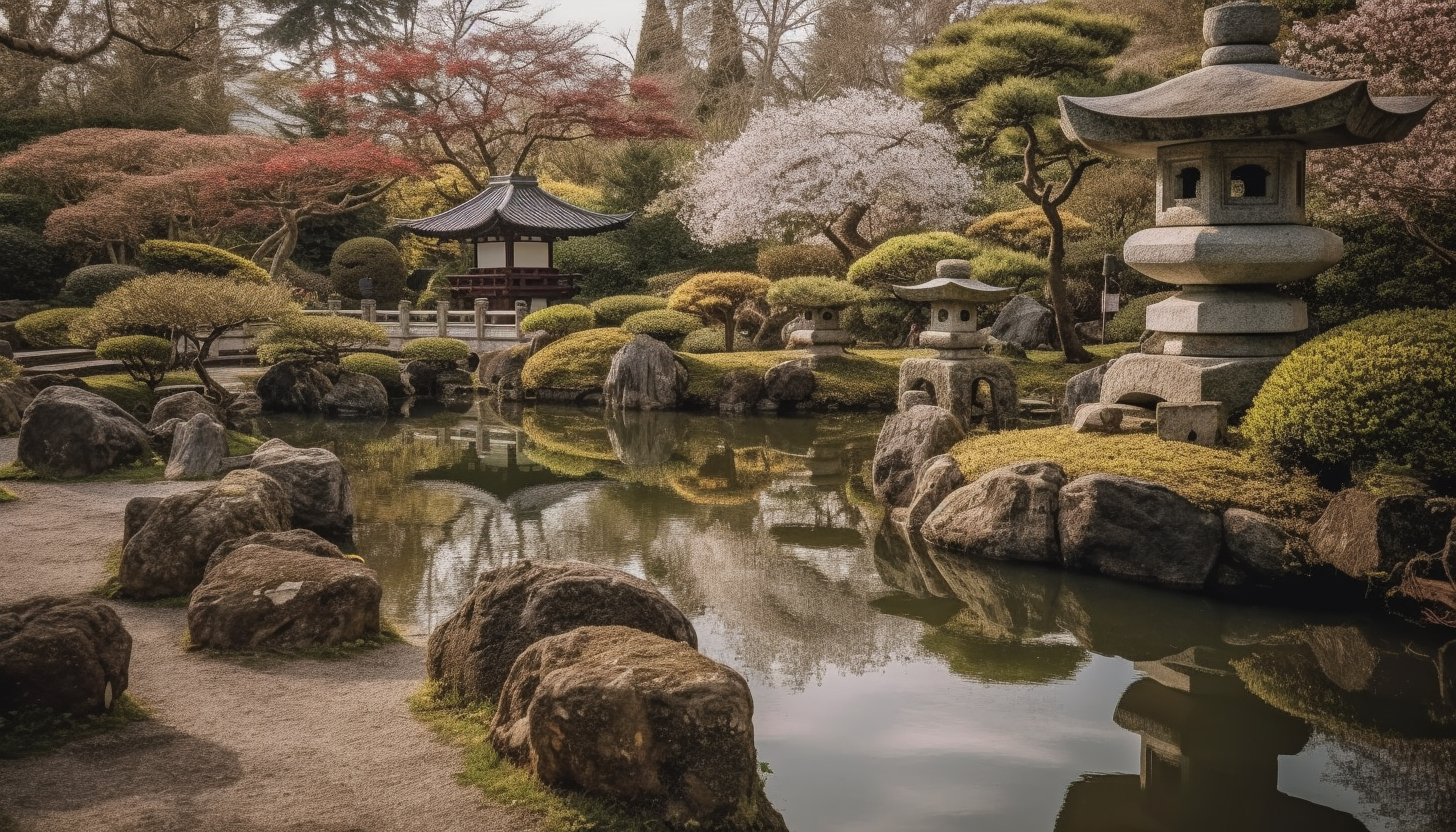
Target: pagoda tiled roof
{"x": 515, "y": 204}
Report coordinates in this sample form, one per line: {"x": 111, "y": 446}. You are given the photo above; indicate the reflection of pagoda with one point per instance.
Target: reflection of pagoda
{"x": 513, "y": 225}
{"x": 497, "y": 466}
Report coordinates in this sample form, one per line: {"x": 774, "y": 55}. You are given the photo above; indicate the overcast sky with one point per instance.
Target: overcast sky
{"x": 608, "y": 17}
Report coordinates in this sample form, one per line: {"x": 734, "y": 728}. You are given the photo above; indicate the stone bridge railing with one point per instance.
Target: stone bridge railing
{"x": 479, "y": 324}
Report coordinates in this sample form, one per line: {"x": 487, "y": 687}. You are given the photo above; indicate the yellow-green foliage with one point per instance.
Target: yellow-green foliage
{"x": 8, "y": 369}
{"x": 703, "y": 341}
{"x": 717, "y": 296}
{"x": 1044, "y": 374}
{"x": 1131, "y": 320}
{"x": 435, "y": 349}
{"x": 382, "y": 367}
{"x": 663, "y": 324}
{"x": 131, "y": 394}
{"x": 1026, "y": 229}
{"x": 615, "y": 310}
{"x": 145, "y": 357}
{"x": 578, "y": 361}
{"x": 50, "y": 329}
{"x": 911, "y": 258}
{"x": 561, "y": 319}
{"x": 319, "y": 336}
{"x": 7, "y": 496}
{"x": 859, "y": 379}
{"x": 664, "y": 284}
{"x": 814, "y": 292}
{"x": 158, "y": 256}
{"x": 789, "y": 261}
{"x": 1378, "y": 390}
{"x": 1214, "y": 478}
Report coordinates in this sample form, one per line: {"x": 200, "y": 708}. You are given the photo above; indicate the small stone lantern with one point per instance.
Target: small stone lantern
{"x": 962, "y": 377}
{"x": 825, "y": 336}
{"x": 1230, "y": 142}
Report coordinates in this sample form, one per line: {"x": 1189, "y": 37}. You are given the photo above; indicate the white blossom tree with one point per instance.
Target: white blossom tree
{"x": 842, "y": 167}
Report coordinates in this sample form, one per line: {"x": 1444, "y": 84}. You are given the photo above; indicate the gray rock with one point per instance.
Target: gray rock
{"x": 6, "y": 350}
{"x": 243, "y": 407}
{"x": 645, "y": 375}
{"x": 915, "y": 398}
{"x": 68, "y": 432}
{"x": 1256, "y": 544}
{"x": 940, "y": 476}
{"x": 293, "y": 387}
{"x": 1082, "y": 388}
{"x": 357, "y": 394}
{"x": 41, "y": 381}
{"x": 198, "y": 446}
{"x": 1090, "y": 332}
{"x": 1099, "y": 417}
{"x": 1138, "y": 531}
{"x": 421, "y": 377}
{"x": 138, "y": 511}
{"x": 512, "y": 607}
{"x": 790, "y": 382}
{"x": 316, "y": 486}
{"x": 263, "y": 598}
{"x": 501, "y": 371}
{"x": 909, "y": 439}
{"x": 15, "y": 396}
{"x": 739, "y": 390}
{"x": 1365, "y": 536}
{"x": 1006, "y": 514}
{"x": 66, "y": 655}
{"x": 169, "y": 554}
{"x": 293, "y": 540}
{"x": 1025, "y": 323}
{"x": 184, "y": 406}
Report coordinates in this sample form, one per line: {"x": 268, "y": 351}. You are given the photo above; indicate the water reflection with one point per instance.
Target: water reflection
{"x": 900, "y": 687}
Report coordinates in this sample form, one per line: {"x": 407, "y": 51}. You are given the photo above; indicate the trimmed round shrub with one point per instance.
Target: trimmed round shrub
{"x": 162, "y": 256}
{"x": 8, "y": 369}
{"x": 146, "y": 358}
{"x": 324, "y": 337}
{"x": 374, "y": 258}
{"x": 306, "y": 283}
{"x": 24, "y": 211}
{"x": 664, "y": 284}
{"x": 435, "y": 349}
{"x": 615, "y": 310}
{"x": 815, "y": 292}
{"x": 1131, "y": 321}
{"x": 86, "y": 284}
{"x": 911, "y": 259}
{"x": 50, "y": 329}
{"x": 663, "y": 324}
{"x": 578, "y": 361}
{"x": 780, "y": 262}
{"x": 882, "y": 319}
{"x": 27, "y": 265}
{"x": 561, "y": 319}
{"x": 708, "y": 339}
{"x": 382, "y": 367}
{"x": 1380, "y": 389}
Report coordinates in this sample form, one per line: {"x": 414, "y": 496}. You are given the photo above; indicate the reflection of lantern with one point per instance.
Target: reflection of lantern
{"x": 1230, "y": 142}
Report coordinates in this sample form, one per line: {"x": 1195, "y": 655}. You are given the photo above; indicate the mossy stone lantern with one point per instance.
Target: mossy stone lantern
{"x": 1230, "y": 141}
{"x": 822, "y": 301}
{"x": 976, "y": 387}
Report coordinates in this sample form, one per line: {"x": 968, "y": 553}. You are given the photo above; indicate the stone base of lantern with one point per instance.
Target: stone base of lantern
{"x": 820, "y": 343}
{"x": 953, "y": 384}
{"x": 1143, "y": 380}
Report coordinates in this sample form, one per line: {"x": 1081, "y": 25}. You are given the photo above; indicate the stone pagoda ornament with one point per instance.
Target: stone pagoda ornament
{"x": 1230, "y": 142}
{"x": 962, "y": 377}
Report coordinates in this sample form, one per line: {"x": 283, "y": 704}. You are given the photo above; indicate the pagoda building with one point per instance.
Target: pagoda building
{"x": 513, "y": 225}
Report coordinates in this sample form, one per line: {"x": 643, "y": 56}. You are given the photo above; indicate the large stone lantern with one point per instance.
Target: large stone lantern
{"x": 962, "y": 377}
{"x": 1230, "y": 142}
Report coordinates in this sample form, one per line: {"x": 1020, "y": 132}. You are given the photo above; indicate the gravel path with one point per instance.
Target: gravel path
{"x": 296, "y": 744}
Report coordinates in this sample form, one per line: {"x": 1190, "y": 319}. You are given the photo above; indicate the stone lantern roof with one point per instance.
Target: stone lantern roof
{"x": 959, "y": 289}
{"x": 515, "y": 205}
{"x": 1242, "y": 92}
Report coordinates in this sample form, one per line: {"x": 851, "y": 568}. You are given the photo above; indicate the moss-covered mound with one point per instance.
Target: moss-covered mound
{"x": 616, "y": 309}
{"x": 561, "y": 319}
{"x": 382, "y": 367}
{"x": 50, "y": 328}
{"x": 578, "y": 361}
{"x": 664, "y": 325}
{"x": 162, "y": 256}
{"x": 435, "y": 349}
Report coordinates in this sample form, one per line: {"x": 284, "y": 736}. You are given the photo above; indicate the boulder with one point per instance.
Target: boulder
{"x": 637, "y": 718}
{"x": 1256, "y": 544}
{"x": 501, "y": 371}
{"x": 68, "y": 655}
{"x": 184, "y": 406}
{"x": 1025, "y": 323}
{"x": 6, "y": 350}
{"x": 645, "y": 375}
{"x": 1138, "y": 531}
{"x": 293, "y": 387}
{"x": 938, "y": 478}
{"x": 1006, "y": 514}
{"x": 1082, "y": 388}
{"x": 1363, "y": 535}
{"x": 263, "y": 598}
{"x": 908, "y": 439}
{"x": 316, "y": 486}
{"x": 198, "y": 447}
{"x": 514, "y": 606}
{"x": 1090, "y": 332}
{"x": 245, "y": 407}
{"x": 738, "y": 390}
{"x": 138, "y": 511}
{"x": 68, "y": 432}
{"x": 163, "y": 434}
{"x": 15, "y": 396}
{"x": 169, "y": 554}
{"x": 790, "y": 382}
{"x": 41, "y": 381}
{"x": 421, "y": 377}
{"x": 302, "y": 541}
{"x": 1100, "y": 417}
{"x": 357, "y": 394}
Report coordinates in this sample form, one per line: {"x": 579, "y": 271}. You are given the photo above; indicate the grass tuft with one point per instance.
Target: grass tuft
{"x": 8, "y": 496}
{"x": 38, "y": 730}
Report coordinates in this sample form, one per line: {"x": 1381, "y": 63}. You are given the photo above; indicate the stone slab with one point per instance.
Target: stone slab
{"x": 1219, "y": 346}
{"x": 1201, "y": 423}
{"x": 1144, "y": 380}
{"x": 1219, "y": 255}
{"x": 1214, "y": 312}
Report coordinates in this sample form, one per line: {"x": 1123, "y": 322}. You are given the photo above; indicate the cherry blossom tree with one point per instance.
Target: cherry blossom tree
{"x": 1405, "y": 47}
{"x": 843, "y": 167}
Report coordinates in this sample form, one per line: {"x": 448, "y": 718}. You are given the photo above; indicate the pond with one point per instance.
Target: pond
{"x": 900, "y": 688}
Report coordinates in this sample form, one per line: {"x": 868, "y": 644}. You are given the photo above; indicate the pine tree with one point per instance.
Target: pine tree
{"x": 725, "y": 85}
{"x": 660, "y": 46}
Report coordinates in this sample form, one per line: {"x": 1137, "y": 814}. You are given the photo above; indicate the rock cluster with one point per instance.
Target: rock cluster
{"x": 303, "y": 386}
{"x": 908, "y": 439}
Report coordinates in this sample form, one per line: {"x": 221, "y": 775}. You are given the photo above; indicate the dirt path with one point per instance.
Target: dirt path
{"x": 280, "y": 745}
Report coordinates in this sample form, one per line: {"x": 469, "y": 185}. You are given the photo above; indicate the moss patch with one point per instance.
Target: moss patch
{"x": 143, "y": 470}
{"x": 36, "y": 731}
{"x": 1214, "y": 478}
{"x": 7, "y": 496}
{"x": 1043, "y": 374}
{"x": 132, "y": 394}
{"x": 579, "y": 361}
{"x": 862, "y": 378}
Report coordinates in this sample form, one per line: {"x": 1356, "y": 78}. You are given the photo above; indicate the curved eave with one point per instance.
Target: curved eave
{"x": 956, "y": 289}
{"x": 515, "y": 205}
{"x": 1240, "y": 101}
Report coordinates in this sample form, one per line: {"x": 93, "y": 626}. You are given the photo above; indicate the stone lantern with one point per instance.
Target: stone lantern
{"x": 1230, "y": 142}
{"x": 825, "y": 336}
{"x": 962, "y": 377}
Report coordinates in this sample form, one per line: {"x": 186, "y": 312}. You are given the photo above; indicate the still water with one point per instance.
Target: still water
{"x": 897, "y": 688}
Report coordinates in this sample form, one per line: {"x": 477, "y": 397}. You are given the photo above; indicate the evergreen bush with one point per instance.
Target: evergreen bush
{"x": 27, "y": 265}
{"x": 435, "y": 349}
{"x": 561, "y": 319}
{"x": 50, "y": 329}
{"x": 708, "y": 339}
{"x": 8, "y": 369}
{"x": 911, "y": 259}
{"x": 1131, "y": 321}
{"x": 616, "y": 309}
{"x": 86, "y": 284}
{"x": 382, "y": 367}
{"x": 146, "y": 358}
{"x": 374, "y": 258}
{"x": 793, "y": 260}
{"x": 165, "y": 256}
{"x": 663, "y": 324}
{"x": 578, "y": 361}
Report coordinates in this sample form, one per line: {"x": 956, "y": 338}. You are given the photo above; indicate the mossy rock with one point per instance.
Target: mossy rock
{"x": 578, "y": 361}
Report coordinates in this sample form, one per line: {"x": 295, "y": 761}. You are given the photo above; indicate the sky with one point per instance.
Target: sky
{"x": 608, "y": 17}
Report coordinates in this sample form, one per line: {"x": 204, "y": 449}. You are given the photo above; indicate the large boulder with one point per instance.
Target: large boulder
{"x": 740, "y": 389}
{"x": 15, "y": 396}
{"x": 939, "y": 477}
{"x": 907, "y": 441}
{"x": 356, "y": 394}
{"x": 67, "y": 432}
{"x": 138, "y": 511}
{"x": 790, "y": 382}
{"x": 244, "y": 408}
{"x": 184, "y": 406}
{"x": 1138, "y": 531}
{"x": 501, "y": 371}
{"x": 316, "y": 484}
{"x": 261, "y": 597}
{"x": 293, "y": 387}
{"x": 302, "y": 541}
{"x": 514, "y": 606}
{"x": 1025, "y": 323}
{"x": 630, "y": 716}
{"x": 68, "y": 655}
{"x": 422, "y": 377}
{"x": 168, "y": 555}
{"x": 1006, "y": 514}
{"x": 1082, "y": 388}
{"x": 1361, "y": 534}
{"x": 1257, "y": 545}
{"x": 198, "y": 447}
{"x": 645, "y": 375}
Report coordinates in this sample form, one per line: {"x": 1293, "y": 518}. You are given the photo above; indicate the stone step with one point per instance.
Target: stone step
{"x": 94, "y": 367}
{"x": 36, "y": 358}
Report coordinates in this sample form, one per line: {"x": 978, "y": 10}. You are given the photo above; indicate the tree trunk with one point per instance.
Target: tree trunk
{"x": 1057, "y": 285}
{"x": 730, "y": 326}
{"x": 847, "y": 229}
{"x": 285, "y": 246}
{"x": 204, "y": 347}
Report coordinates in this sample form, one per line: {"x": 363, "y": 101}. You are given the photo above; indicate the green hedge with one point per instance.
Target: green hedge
{"x": 708, "y": 339}
{"x": 382, "y": 367}
{"x": 663, "y": 324}
{"x": 86, "y": 284}
{"x": 780, "y": 262}
{"x": 561, "y": 319}
{"x": 911, "y": 259}
{"x": 578, "y": 361}
{"x": 1131, "y": 320}
{"x": 164, "y": 256}
{"x": 435, "y": 349}
{"x": 375, "y": 258}
{"x": 50, "y": 329}
{"x": 615, "y": 310}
